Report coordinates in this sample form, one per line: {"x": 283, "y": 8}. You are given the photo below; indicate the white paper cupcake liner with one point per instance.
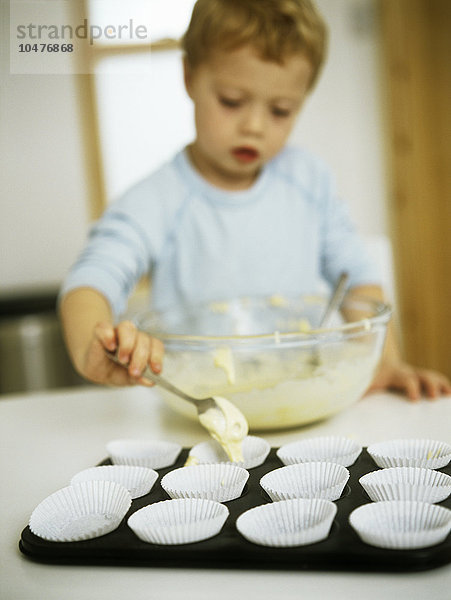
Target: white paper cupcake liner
{"x": 287, "y": 523}
{"x": 428, "y": 454}
{"x": 400, "y": 524}
{"x": 342, "y": 451}
{"x": 220, "y": 482}
{"x": 153, "y": 454}
{"x": 181, "y": 521}
{"x": 138, "y": 480}
{"x": 407, "y": 483}
{"x": 255, "y": 452}
{"x": 80, "y": 512}
{"x": 307, "y": 480}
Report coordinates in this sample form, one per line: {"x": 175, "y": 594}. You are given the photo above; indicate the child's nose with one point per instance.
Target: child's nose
{"x": 253, "y": 121}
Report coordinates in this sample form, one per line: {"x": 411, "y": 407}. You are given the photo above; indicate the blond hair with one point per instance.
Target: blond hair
{"x": 276, "y": 28}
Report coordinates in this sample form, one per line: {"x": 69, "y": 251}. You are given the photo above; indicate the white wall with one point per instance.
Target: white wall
{"x": 42, "y": 190}
{"x": 43, "y": 195}
{"x": 342, "y": 120}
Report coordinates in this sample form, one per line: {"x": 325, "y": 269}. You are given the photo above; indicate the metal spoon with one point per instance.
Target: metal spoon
{"x": 334, "y": 303}
{"x": 335, "y": 300}
{"x": 201, "y": 404}
{"x": 227, "y": 425}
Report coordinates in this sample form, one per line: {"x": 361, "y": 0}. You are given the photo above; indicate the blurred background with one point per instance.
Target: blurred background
{"x": 72, "y": 143}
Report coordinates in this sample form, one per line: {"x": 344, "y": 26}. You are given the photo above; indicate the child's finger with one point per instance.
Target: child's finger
{"x": 444, "y": 382}
{"x": 140, "y": 355}
{"x": 431, "y": 387}
{"x": 156, "y": 355}
{"x": 145, "y": 381}
{"x": 126, "y": 336}
{"x": 412, "y": 387}
{"x": 434, "y": 383}
{"x": 106, "y": 335}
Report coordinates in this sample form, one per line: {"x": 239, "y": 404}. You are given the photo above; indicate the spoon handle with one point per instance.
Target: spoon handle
{"x": 336, "y": 298}
{"x": 157, "y": 379}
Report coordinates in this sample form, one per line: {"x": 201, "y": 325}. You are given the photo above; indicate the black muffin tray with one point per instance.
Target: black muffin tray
{"x": 341, "y": 551}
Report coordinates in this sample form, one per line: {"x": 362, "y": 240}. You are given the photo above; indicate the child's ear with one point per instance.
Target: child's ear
{"x": 187, "y": 76}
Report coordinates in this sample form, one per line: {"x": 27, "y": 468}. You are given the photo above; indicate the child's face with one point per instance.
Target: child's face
{"x": 245, "y": 109}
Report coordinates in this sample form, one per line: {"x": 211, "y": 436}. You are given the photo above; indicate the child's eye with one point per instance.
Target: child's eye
{"x": 229, "y": 102}
{"x": 280, "y": 112}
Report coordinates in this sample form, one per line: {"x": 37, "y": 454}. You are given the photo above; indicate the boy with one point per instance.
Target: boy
{"x": 233, "y": 214}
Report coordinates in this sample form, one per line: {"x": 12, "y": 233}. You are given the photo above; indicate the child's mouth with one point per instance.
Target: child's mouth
{"x": 245, "y": 154}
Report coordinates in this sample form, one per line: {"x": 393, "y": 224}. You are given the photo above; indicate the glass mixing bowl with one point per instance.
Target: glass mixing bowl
{"x": 265, "y": 355}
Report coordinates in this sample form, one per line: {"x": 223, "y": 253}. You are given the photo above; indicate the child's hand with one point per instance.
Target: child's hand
{"x": 411, "y": 380}
{"x": 135, "y": 349}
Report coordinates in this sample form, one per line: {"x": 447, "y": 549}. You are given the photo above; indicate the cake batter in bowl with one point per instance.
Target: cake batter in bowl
{"x": 256, "y": 352}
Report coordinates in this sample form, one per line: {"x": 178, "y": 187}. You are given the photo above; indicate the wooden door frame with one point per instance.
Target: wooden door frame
{"x": 416, "y": 44}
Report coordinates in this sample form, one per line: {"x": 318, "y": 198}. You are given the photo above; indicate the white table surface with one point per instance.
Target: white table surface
{"x": 45, "y": 438}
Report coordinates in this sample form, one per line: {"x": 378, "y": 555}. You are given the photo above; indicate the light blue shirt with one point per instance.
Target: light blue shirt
{"x": 287, "y": 234}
